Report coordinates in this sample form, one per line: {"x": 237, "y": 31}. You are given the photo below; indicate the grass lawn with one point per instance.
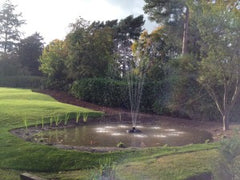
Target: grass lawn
{"x": 17, "y": 155}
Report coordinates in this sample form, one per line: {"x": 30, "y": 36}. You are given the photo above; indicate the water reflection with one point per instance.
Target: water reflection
{"x": 159, "y": 136}
{"x": 155, "y": 127}
{"x": 140, "y": 135}
{"x": 171, "y": 130}
{"x": 117, "y": 134}
{"x": 109, "y": 127}
{"x": 123, "y": 126}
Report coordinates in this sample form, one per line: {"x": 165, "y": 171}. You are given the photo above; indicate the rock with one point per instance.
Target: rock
{"x": 27, "y": 176}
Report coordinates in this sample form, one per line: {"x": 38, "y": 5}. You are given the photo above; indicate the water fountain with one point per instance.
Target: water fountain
{"x": 135, "y": 78}
{"x": 135, "y": 88}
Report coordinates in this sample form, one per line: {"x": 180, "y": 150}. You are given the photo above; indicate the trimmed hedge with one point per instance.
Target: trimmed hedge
{"x": 158, "y": 97}
{"x": 108, "y": 92}
{"x": 22, "y": 81}
{"x": 105, "y": 92}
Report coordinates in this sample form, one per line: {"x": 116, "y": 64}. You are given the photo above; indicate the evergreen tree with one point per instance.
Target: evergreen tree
{"x": 29, "y": 51}
{"x": 127, "y": 30}
{"x": 173, "y": 13}
{"x": 10, "y": 23}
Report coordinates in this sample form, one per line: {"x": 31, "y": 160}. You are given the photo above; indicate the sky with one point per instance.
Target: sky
{"x": 51, "y": 18}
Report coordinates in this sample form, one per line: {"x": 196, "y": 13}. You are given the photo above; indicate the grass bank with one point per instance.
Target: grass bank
{"x": 19, "y": 155}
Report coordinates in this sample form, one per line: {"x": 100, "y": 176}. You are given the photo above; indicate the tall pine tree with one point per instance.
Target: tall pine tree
{"x": 10, "y": 23}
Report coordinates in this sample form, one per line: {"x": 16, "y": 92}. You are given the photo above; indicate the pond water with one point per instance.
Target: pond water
{"x": 109, "y": 135}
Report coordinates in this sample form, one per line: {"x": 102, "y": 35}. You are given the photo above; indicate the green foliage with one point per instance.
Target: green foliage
{"x": 29, "y": 52}
{"x": 51, "y": 121}
{"x": 66, "y": 118}
{"x": 10, "y": 23}
{"x": 106, "y": 92}
{"x": 155, "y": 50}
{"x": 25, "y": 121}
{"x": 89, "y": 52}
{"x": 53, "y": 64}
{"x": 57, "y": 120}
{"x": 42, "y": 122}
{"x": 113, "y": 93}
{"x": 186, "y": 97}
{"x": 78, "y": 114}
{"x": 228, "y": 165}
{"x": 22, "y": 81}
{"x": 166, "y": 11}
{"x": 107, "y": 169}
{"x": 10, "y": 66}
{"x": 85, "y": 117}
{"x": 121, "y": 145}
{"x": 14, "y": 74}
{"x": 219, "y": 68}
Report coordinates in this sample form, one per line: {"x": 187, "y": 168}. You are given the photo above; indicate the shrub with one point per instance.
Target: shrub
{"x": 22, "y": 81}
{"x": 105, "y": 92}
{"x": 227, "y": 166}
{"x": 114, "y": 93}
{"x": 10, "y": 66}
{"x": 186, "y": 100}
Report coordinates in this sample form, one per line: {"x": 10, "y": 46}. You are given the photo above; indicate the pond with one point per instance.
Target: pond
{"x": 109, "y": 135}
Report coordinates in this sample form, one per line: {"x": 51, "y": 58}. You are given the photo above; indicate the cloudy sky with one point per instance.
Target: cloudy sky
{"x": 51, "y": 17}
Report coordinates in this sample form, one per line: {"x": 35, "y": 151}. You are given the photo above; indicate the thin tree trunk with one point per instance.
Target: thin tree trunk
{"x": 225, "y": 121}
{"x": 185, "y": 32}
{"x": 5, "y": 45}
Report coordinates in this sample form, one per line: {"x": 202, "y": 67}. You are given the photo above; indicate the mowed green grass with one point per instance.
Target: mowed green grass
{"x": 17, "y": 155}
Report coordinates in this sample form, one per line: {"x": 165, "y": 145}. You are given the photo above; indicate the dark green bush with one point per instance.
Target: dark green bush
{"x": 113, "y": 93}
{"x": 22, "y": 81}
{"x": 57, "y": 84}
{"x": 228, "y": 165}
{"x": 185, "y": 101}
{"x": 105, "y": 92}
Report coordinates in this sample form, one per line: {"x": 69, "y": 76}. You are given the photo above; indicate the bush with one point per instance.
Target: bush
{"x": 227, "y": 166}
{"x": 186, "y": 100}
{"x": 57, "y": 84}
{"x": 113, "y": 93}
{"x": 13, "y": 74}
{"x": 10, "y": 66}
{"x": 22, "y": 81}
{"x": 105, "y": 92}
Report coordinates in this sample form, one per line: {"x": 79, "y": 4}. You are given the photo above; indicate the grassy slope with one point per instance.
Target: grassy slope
{"x": 176, "y": 166}
{"x": 15, "y": 104}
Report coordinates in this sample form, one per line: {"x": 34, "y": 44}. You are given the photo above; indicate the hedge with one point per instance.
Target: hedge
{"x": 22, "y": 81}
{"x": 112, "y": 93}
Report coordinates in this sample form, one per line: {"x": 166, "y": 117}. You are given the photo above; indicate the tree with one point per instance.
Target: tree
{"x": 29, "y": 52}
{"x": 124, "y": 32}
{"x": 158, "y": 48}
{"x": 90, "y": 51}
{"x": 10, "y": 23}
{"x": 220, "y": 65}
{"x": 53, "y": 62}
{"x": 173, "y": 13}
{"x": 127, "y": 30}
{"x": 10, "y": 66}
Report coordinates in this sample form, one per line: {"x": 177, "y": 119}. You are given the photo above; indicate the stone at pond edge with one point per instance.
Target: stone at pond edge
{"x": 27, "y": 176}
